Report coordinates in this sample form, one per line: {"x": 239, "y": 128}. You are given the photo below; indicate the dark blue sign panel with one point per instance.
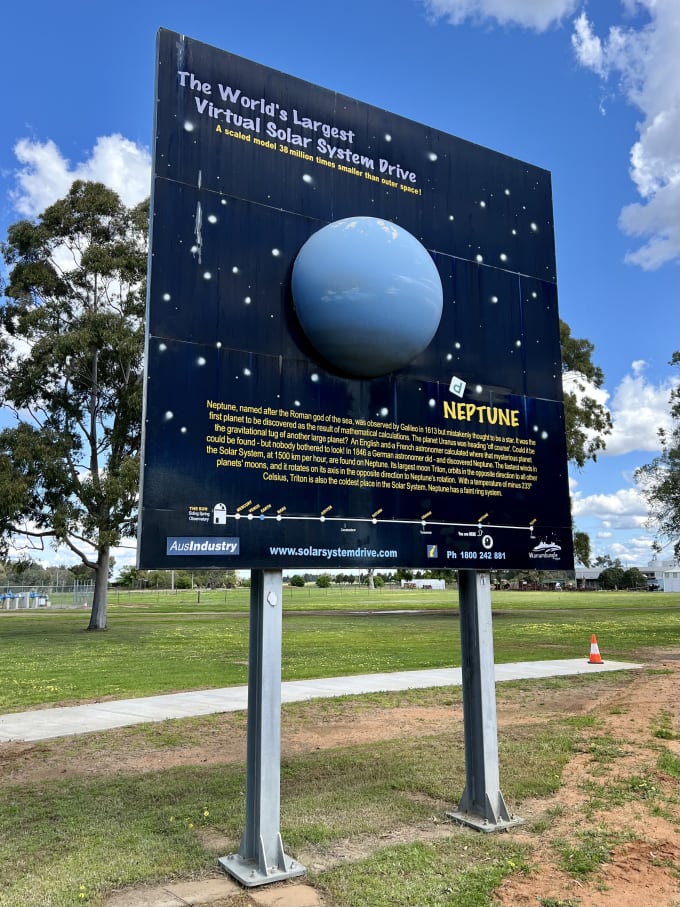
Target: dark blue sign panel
{"x": 353, "y": 338}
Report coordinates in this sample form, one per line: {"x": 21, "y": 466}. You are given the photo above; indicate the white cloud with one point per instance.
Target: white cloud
{"x": 633, "y": 552}
{"x": 640, "y": 545}
{"x": 616, "y": 524}
{"x": 577, "y": 384}
{"x": 587, "y": 46}
{"x": 638, "y": 409}
{"x": 526, "y": 13}
{"x": 646, "y": 60}
{"x": 48, "y": 554}
{"x": 624, "y": 509}
{"x": 643, "y": 55}
{"x": 45, "y": 175}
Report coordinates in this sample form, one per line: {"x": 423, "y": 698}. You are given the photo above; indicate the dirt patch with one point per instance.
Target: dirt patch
{"x": 305, "y": 728}
{"x": 616, "y": 804}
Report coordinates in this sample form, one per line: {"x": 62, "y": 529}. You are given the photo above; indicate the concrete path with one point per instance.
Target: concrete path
{"x": 41, "y": 724}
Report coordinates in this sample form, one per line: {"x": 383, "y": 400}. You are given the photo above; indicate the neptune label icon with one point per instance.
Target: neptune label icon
{"x": 457, "y": 386}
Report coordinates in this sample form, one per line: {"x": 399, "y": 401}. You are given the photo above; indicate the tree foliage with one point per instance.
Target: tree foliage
{"x": 588, "y": 421}
{"x": 582, "y": 548}
{"x": 71, "y": 344}
{"x": 634, "y": 578}
{"x": 659, "y": 480}
{"x": 611, "y": 578}
{"x": 615, "y": 577}
{"x": 605, "y": 560}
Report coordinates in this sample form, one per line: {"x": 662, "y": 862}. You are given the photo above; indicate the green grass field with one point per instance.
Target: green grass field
{"x": 69, "y": 842}
{"x": 342, "y": 598}
{"x": 157, "y": 646}
{"x": 76, "y": 839}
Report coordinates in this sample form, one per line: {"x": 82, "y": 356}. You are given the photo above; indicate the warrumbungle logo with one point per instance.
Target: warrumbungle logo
{"x": 201, "y": 545}
{"x": 546, "y": 550}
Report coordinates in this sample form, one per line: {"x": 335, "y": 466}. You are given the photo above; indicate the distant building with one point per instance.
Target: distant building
{"x": 666, "y": 573}
{"x": 586, "y": 577}
{"x": 662, "y": 574}
{"x": 423, "y": 584}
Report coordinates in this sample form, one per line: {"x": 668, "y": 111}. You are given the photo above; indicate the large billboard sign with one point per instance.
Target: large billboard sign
{"x": 352, "y": 336}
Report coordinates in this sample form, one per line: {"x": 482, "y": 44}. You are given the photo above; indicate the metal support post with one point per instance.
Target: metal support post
{"x": 482, "y": 805}
{"x": 261, "y": 859}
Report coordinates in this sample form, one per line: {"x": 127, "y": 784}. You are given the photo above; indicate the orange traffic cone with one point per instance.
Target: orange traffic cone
{"x": 595, "y": 657}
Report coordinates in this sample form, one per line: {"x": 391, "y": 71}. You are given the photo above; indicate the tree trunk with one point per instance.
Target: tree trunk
{"x": 101, "y": 583}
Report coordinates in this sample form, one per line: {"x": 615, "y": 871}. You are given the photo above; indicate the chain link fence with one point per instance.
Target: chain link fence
{"x": 18, "y": 596}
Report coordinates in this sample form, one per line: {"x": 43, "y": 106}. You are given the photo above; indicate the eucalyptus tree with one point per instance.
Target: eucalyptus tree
{"x": 587, "y": 419}
{"x": 659, "y": 481}
{"x": 582, "y": 548}
{"x": 71, "y": 348}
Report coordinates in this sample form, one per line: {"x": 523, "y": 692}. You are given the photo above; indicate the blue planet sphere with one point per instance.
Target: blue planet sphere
{"x": 367, "y": 294}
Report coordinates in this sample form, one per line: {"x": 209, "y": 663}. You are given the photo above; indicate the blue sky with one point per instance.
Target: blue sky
{"x": 589, "y": 92}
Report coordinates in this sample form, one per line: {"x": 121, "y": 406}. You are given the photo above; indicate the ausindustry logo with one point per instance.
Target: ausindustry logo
{"x": 201, "y": 545}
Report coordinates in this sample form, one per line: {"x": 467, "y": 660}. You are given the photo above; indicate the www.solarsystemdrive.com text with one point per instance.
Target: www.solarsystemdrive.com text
{"x": 331, "y": 552}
